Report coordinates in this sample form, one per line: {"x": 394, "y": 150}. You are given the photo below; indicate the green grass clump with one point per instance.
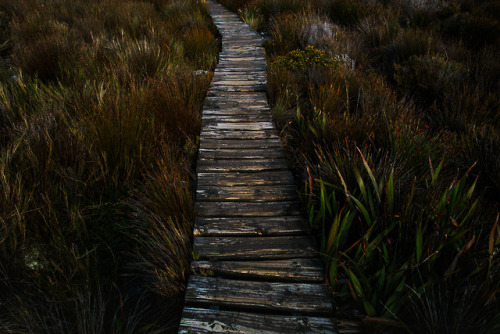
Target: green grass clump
{"x": 99, "y": 112}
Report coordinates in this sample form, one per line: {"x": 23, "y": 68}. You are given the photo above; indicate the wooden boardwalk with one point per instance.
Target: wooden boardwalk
{"x": 256, "y": 267}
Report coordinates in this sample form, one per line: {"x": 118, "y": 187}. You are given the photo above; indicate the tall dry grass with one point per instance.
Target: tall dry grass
{"x": 99, "y": 110}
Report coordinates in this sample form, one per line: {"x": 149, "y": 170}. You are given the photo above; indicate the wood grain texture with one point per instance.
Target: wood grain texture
{"x": 295, "y": 270}
{"x": 238, "y": 126}
{"x": 241, "y": 153}
{"x": 250, "y": 226}
{"x": 198, "y": 320}
{"x": 209, "y": 119}
{"x": 240, "y": 165}
{"x": 251, "y": 295}
{"x": 262, "y": 144}
{"x": 255, "y": 248}
{"x": 241, "y": 134}
{"x": 247, "y": 193}
{"x": 248, "y": 209}
{"x": 246, "y": 178}
{"x": 239, "y": 111}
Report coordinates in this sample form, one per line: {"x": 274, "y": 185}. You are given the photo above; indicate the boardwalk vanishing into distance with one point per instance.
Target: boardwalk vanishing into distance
{"x": 256, "y": 267}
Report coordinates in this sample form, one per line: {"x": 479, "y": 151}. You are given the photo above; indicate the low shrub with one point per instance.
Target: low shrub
{"x": 429, "y": 77}
{"x": 348, "y": 12}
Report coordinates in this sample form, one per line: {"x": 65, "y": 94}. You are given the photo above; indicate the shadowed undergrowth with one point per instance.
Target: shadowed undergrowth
{"x": 99, "y": 114}
{"x": 389, "y": 115}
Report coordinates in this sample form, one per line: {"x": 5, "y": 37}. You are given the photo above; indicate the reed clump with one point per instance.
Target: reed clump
{"x": 389, "y": 116}
{"x": 99, "y": 113}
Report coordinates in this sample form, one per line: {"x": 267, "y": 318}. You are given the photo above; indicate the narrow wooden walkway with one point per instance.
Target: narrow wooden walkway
{"x": 257, "y": 268}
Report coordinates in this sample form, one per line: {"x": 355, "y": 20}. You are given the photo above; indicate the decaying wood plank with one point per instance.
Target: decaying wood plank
{"x": 241, "y": 153}
{"x": 262, "y": 144}
{"x": 242, "y": 179}
{"x": 295, "y": 270}
{"x": 241, "y": 97}
{"x": 240, "y": 165}
{"x": 282, "y": 297}
{"x": 250, "y": 226}
{"x": 198, "y": 320}
{"x": 255, "y": 117}
{"x": 239, "y": 126}
{"x": 242, "y": 134}
{"x": 247, "y": 209}
{"x": 255, "y": 248}
{"x": 213, "y": 90}
{"x": 247, "y": 193}
{"x": 241, "y": 111}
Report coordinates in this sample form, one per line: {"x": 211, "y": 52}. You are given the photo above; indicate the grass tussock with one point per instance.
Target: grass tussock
{"x": 389, "y": 116}
{"x": 99, "y": 112}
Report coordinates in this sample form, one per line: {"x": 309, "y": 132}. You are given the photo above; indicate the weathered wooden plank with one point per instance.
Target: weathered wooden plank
{"x": 240, "y": 165}
{"x": 242, "y": 179}
{"x": 214, "y": 90}
{"x": 242, "y": 40}
{"x": 198, "y": 320}
{"x": 241, "y": 69}
{"x": 242, "y": 111}
{"x": 234, "y": 96}
{"x": 237, "y": 81}
{"x": 238, "y": 56}
{"x": 240, "y": 76}
{"x": 245, "y": 72}
{"x": 242, "y": 134}
{"x": 295, "y": 270}
{"x": 236, "y": 118}
{"x": 262, "y": 144}
{"x": 247, "y": 193}
{"x": 282, "y": 297}
{"x": 246, "y": 64}
{"x": 241, "y": 153}
{"x": 233, "y": 100}
{"x": 246, "y": 50}
{"x": 250, "y": 226}
{"x": 255, "y": 248}
{"x": 239, "y": 126}
{"x": 247, "y": 209}
{"x": 239, "y": 96}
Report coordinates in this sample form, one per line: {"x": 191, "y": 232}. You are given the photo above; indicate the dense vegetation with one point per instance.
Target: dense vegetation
{"x": 389, "y": 112}
{"x": 99, "y": 112}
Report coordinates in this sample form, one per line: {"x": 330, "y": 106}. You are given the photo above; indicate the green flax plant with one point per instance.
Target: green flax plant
{"x": 379, "y": 240}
